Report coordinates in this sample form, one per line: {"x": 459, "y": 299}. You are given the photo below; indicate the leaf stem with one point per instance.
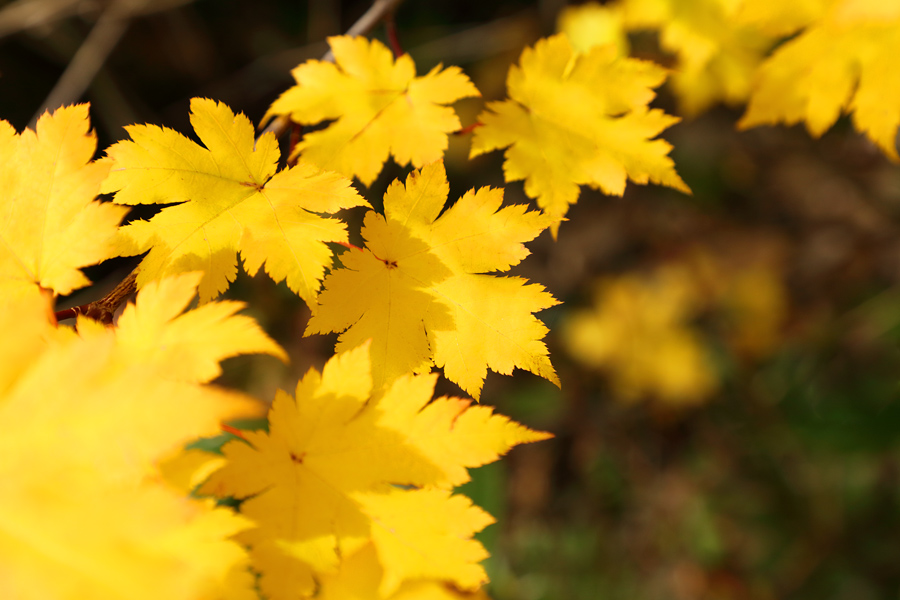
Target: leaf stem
{"x": 350, "y": 246}
{"x": 296, "y": 134}
{"x": 232, "y": 430}
{"x": 390, "y": 28}
{"x": 468, "y": 128}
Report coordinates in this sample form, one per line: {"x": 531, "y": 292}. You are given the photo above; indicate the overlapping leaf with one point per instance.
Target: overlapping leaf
{"x": 843, "y": 62}
{"x": 340, "y": 468}
{"x": 50, "y": 223}
{"x": 154, "y": 334}
{"x": 84, "y": 511}
{"x": 422, "y": 291}
{"x": 578, "y": 119}
{"x": 378, "y": 105}
{"x": 230, "y": 199}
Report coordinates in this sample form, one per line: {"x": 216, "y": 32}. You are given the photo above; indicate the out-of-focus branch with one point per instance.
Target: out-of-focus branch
{"x": 98, "y": 45}
{"x": 115, "y": 15}
{"x": 29, "y": 14}
{"x": 363, "y": 25}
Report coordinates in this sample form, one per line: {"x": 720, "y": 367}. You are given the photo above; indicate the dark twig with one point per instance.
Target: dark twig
{"x": 104, "y": 310}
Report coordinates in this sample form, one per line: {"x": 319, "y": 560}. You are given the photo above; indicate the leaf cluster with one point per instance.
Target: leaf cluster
{"x": 350, "y": 490}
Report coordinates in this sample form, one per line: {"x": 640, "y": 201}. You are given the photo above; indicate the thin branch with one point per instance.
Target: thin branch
{"x": 98, "y": 45}
{"x": 96, "y": 48}
{"x": 23, "y": 15}
{"x": 104, "y": 310}
{"x": 30, "y": 14}
{"x": 508, "y": 34}
{"x": 363, "y": 25}
{"x": 369, "y": 20}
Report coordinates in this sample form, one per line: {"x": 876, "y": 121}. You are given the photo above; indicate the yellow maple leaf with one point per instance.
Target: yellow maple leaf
{"x": 378, "y": 105}
{"x": 322, "y": 482}
{"x": 85, "y": 511}
{"x": 50, "y": 223}
{"x": 230, "y": 200}
{"x": 422, "y": 289}
{"x": 843, "y": 62}
{"x": 578, "y": 119}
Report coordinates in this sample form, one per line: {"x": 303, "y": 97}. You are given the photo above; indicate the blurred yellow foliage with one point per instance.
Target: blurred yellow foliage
{"x": 640, "y": 329}
{"x": 750, "y": 300}
{"x": 717, "y": 51}
{"x": 843, "y": 63}
{"x": 591, "y": 24}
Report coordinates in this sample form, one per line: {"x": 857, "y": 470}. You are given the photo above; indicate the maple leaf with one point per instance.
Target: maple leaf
{"x": 50, "y": 223}
{"x": 230, "y": 200}
{"x": 89, "y": 514}
{"x": 322, "y": 482}
{"x": 422, "y": 289}
{"x": 574, "y": 119}
{"x": 378, "y": 105}
{"x": 844, "y": 62}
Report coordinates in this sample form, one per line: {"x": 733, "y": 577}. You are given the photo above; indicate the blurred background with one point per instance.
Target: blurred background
{"x": 727, "y": 426}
